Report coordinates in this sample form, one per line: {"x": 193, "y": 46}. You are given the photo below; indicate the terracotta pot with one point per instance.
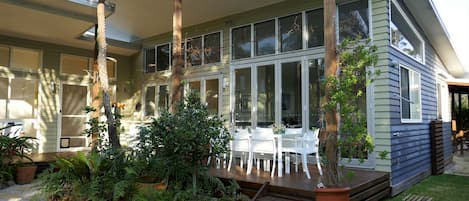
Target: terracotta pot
{"x": 25, "y": 174}
{"x": 332, "y": 194}
{"x": 150, "y": 182}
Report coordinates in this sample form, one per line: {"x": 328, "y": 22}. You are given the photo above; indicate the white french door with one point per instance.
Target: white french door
{"x": 210, "y": 90}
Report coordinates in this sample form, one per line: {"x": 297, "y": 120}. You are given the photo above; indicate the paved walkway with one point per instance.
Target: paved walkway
{"x": 27, "y": 192}
{"x": 460, "y": 165}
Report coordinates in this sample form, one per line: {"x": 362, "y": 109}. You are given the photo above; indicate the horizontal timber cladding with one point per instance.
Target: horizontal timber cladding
{"x": 411, "y": 148}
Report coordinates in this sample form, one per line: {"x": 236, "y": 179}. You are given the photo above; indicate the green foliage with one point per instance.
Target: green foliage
{"x": 13, "y": 148}
{"x": 183, "y": 140}
{"x": 90, "y": 177}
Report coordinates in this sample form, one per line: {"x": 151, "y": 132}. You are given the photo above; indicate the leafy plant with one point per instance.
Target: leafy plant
{"x": 183, "y": 140}
{"x": 346, "y": 92}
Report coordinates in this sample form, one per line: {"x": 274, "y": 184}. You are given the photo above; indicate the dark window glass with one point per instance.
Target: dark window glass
{"x": 150, "y": 101}
{"x": 405, "y": 94}
{"x": 243, "y": 102}
{"x": 291, "y": 95}
{"x": 265, "y": 95}
{"x": 150, "y": 65}
{"x": 264, "y": 37}
{"x": 241, "y": 42}
{"x": 194, "y": 51}
{"x": 212, "y": 48}
{"x": 163, "y": 98}
{"x": 316, "y": 92}
{"x": 353, "y": 20}
{"x": 315, "y": 26}
{"x": 163, "y": 55}
{"x": 291, "y": 34}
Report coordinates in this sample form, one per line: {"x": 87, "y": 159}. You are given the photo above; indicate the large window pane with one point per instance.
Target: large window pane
{"x": 3, "y": 97}
{"x": 316, "y": 92}
{"x": 75, "y": 65}
{"x": 265, "y": 95}
{"x": 241, "y": 42}
{"x": 163, "y": 98}
{"x": 212, "y": 96}
{"x": 23, "y": 99}
{"x": 150, "y": 101}
{"x": 403, "y": 36}
{"x": 353, "y": 20}
{"x": 264, "y": 38}
{"x": 212, "y": 48}
{"x": 25, "y": 59}
{"x": 405, "y": 94}
{"x": 291, "y": 94}
{"x": 162, "y": 57}
{"x": 243, "y": 103}
{"x": 291, "y": 34}
{"x": 315, "y": 26}
{"x": 111, "y": 67}
{"x": 150, "y": 65}
{"x": 194, "y": 51}
{"x": 194, "y": 86}
{"x": 4, "y": 56}
{"x": 415, "y": 96}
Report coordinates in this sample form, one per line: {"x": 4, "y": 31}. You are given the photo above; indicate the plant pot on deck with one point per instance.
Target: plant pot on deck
{"x": 151, "y": 182}
{"x": 25, "y": 174}
{"x": 332, "y": 194}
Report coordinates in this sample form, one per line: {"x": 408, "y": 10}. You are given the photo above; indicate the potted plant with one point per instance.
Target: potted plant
{"x": 15, "y": 150}
{"x": 345, "y": 93}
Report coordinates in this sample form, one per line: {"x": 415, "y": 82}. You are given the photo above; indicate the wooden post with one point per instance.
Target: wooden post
{"x": 178, "y": 63}
{"x": 95, "y": 97}
{"x": 330, "y": 42}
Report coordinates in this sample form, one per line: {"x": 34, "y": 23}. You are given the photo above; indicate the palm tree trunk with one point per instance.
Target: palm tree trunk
{"x": 331, "y": 173}
{"x": 95, "y": 91}
{"x": 103, "y": 78}
{"x": 178, "y": 63}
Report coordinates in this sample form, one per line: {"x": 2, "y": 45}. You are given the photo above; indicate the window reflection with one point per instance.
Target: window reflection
{"x": 162, "y": 57}
{"x": 211, "y": 96}
{"x": 353, "y": 20}
{"x": 243, "y": 102}
{"x": 316, "y": 92}
{"x": 264, "y": 37}
{"x": 291, "y": 95}
{"x": 265, "y": 95}
{"x": 291, "y": 34}
{"x": 241, "y": 41}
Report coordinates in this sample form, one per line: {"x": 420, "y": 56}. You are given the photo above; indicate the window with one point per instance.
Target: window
{"x": 163, "y": 98}
{"x": 241, "y": 42}
{"x": 150, "y": 98}
{"x": 74, "y": 65}
{"x": 404, "y": 36}
{"x": 4, "y": 56}
{"x": 243, "y": 102}
{"x": 265, "y": 95}
{"x": 353, "y": 20}
{"x": 316, "y": 92}
{"x": 291, "y": 95}
{"x": 111, "y": 67}
{"x": 315, "y": 26}
{"x": 212, "y": 48}
{"x": 25, "y": 59}
{"x": 194, "y": 51}
{"x": 291, "y": 34}
{"x": 162, "y": 57}
{"x": 150, "y": 65}
{"x": 20, "y": 102}
{"x": 410, "y": 95}
{"x": 212, "y": 95}
{"x": 264, "y": 38}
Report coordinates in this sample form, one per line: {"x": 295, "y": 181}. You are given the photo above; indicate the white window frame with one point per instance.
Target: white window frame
{"x": 445, "y": 102}
{"x": 170, "y": 57}
{"x": 203, "y": 84}
{"x": 90, "y": 64}
{"x": 412, "y": 80}
{"x": 40, "y": 59}
{"x": 412, "y": 27}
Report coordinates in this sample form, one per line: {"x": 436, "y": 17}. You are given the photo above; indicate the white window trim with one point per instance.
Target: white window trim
{"x": 445, "y": 102}
{"x": 411, "y": 80}
{"x": 19, "y": 69}
{"x": 412, "y": 27}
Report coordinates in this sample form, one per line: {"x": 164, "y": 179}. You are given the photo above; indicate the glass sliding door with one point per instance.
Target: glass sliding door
{"x": 291, "y": 94}
{"x": 73, "y": 118}
{"x": 315, "y": 92}
{"x": 265, "y": 95}
{"x": 242, "y": 96}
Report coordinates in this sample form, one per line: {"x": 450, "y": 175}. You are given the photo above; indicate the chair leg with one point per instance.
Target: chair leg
{"x": 249, "y": 163}
{"x": 296, "y": 162}
{"x": 229, "y": 162}
{"x": 273, "y": 165}
{"x": 305, "y": 165}
{"x": 318, "y": 163}
{"x": 287, "y": 163}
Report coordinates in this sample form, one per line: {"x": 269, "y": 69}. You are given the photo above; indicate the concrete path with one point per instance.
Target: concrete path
{"x": 27, "y": 192}
{"x": 460, "y": 165}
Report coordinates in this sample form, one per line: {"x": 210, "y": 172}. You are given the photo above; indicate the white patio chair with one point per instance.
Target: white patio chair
{"x": 239, "y": 146}
{"x": 290, "y": 144}
{"x": 262, "y": 147}
{"x": 305, "y": 145}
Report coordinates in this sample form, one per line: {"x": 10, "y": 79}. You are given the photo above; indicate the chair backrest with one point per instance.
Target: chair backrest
{"x": 240, "y": 141}
{"x": 311, "y": 140}
{"x": 293, "y": 131}
{"x": 263, "y": 140}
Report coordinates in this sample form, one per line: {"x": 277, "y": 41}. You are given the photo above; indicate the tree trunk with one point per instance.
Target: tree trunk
{"x": 95, "y": 91}
{"x": 331, "y": 176}
{"x": 178, "y": 63}
{"x": 103, "y": 78}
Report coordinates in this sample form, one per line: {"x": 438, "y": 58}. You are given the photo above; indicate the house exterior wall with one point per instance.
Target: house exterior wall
{"x": 410, "y": 142}
{"x": 49, "y": 102}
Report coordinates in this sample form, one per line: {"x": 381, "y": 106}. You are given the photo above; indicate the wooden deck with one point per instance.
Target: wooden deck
{"x": 365, "y": 184}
